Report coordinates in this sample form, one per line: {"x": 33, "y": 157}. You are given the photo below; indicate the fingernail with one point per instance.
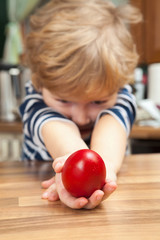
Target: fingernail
{"x": 82, "y": 203}
{"x": 98, "y": 198}
{"x": 52, "y": 196}
{"x": 45, "y": 195}
{"x": 58, "y": 166}
{"x": 112, "y": 187}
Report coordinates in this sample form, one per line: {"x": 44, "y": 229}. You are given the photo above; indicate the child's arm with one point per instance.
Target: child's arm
{"x": 61, "y": 140}
{"x": 68, "y": 140}
{"x": 109, "y": 140}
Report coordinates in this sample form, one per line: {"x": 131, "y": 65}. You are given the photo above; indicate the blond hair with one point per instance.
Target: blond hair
{"x": 82, "y": 48}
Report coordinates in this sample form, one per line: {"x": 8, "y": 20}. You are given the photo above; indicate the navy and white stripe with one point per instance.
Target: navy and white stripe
{"x": 35, "y": 113}
{"x": 124, "y": 110}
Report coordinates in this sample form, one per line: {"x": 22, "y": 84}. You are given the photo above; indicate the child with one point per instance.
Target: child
{"x": 82, "y": 57}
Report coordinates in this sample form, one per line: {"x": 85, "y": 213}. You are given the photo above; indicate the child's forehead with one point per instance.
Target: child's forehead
{"x": 84, "y": 98}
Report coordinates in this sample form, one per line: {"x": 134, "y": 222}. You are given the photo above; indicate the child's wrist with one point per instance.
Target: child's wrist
{"x": 111, "y": 173}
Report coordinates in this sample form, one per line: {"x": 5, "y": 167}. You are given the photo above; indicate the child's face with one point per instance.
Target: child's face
{"x": 83, "y": 114}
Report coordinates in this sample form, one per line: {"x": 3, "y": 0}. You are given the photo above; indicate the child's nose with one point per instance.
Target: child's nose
{"x": 80, "y": 115}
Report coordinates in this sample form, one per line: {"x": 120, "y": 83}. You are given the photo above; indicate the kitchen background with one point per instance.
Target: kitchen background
{"x": 14, "y": 19}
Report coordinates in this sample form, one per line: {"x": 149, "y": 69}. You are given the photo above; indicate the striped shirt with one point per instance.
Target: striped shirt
{"x": 35, "y": 113}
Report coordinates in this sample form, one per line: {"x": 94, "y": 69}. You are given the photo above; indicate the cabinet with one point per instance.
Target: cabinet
{"x": 144, "y": 139}
{"x": 147, "y": 33}
{"x": 10, "y": 141}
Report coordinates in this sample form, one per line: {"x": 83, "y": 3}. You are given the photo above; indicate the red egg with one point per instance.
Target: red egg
{"x": 83, "y": 173}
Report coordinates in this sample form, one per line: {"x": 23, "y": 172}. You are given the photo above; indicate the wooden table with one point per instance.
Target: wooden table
{"x": 132, "y": 212}
{"x": 145, "y": 132}
{"x": 11, "y": 127}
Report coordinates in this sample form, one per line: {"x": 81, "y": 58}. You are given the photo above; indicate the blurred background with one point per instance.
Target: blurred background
{"x": 14, "y": 25}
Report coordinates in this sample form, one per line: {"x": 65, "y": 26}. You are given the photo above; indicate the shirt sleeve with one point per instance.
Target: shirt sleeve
{"x": 35, "y": 113}
{"x": 124, "y": 110}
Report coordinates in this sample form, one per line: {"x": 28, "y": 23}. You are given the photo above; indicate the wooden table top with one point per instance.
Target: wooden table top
{"x": 145, "y": 132}
{"x": 132, "y": 212}
{"x": 11, "y": 127}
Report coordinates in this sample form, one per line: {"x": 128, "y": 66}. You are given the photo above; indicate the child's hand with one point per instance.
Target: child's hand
{"x": 56, "y": 190}
{"x": 72, "y": 202}
{"x": 64, "y": 195}
{"x": 77, "y": 203}
{"x": 50, "y": 185}
{"x": 51, "y": 191}
{"x": 82, "y": 202}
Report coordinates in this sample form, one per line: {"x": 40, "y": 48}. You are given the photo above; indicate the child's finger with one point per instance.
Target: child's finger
{"x": 98, "y": 196}
{"x": 95, "y": 199}
{"x": 67, "y": 198}
{"x": 109, "y": 188}
{"x": 72, "y": 202}
{"x": 58, "y": 164}
{"x": 47, "y": 183}
{"x": 58, "y": 167}
{"x": 51, "y": 193}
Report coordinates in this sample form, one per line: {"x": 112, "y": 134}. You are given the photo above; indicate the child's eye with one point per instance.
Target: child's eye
{"x": 99, "y": 102}
{"x": 63, "y": 101}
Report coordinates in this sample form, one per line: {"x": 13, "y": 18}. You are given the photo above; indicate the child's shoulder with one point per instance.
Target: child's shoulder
{"x": 29, "y": 87}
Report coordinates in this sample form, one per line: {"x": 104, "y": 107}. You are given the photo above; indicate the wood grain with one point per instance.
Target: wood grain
{"x": 145, "y": 132}
{"x": 146, "y": 34}
{"x": 11, "y": 127}
{"x": 132, "y": 212}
